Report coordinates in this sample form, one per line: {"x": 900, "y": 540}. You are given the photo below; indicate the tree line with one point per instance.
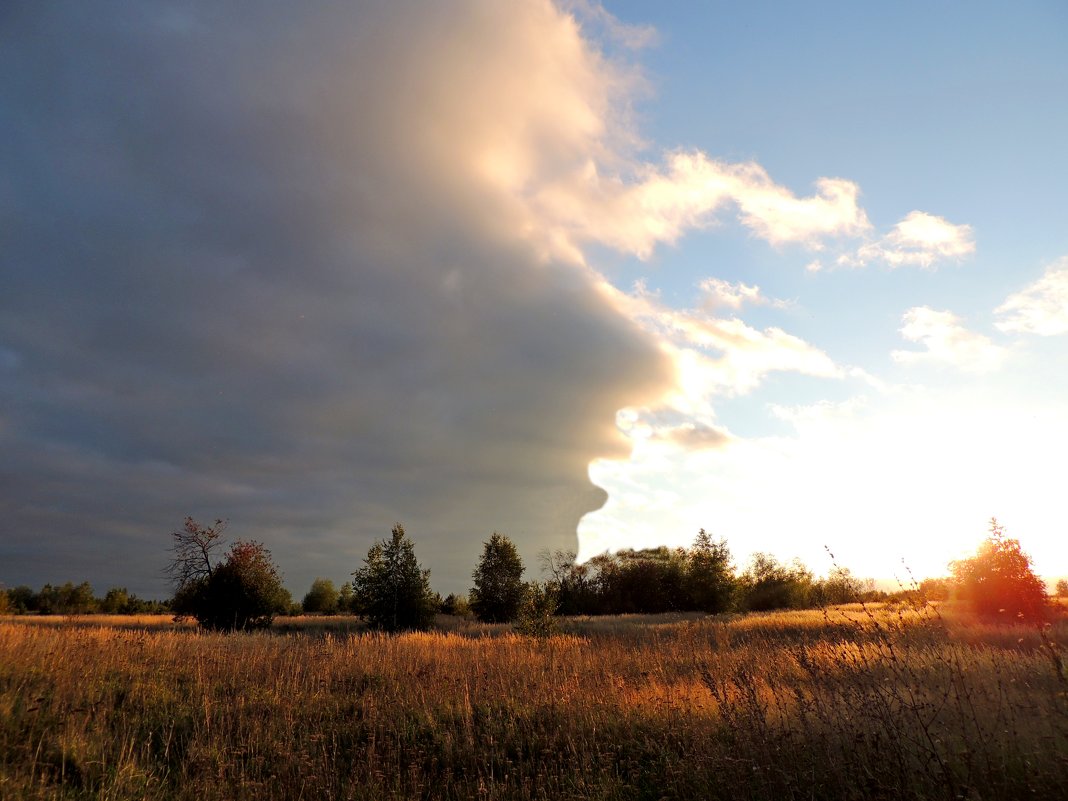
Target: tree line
{"x": 75, "y": 599}
{"x": 241, "y": 588}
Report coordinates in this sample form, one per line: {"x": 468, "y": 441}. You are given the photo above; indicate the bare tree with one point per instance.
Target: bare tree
{"x": 192, "y": 552}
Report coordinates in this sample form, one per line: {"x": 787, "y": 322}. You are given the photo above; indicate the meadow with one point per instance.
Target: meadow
{"x": 849, "y": 703}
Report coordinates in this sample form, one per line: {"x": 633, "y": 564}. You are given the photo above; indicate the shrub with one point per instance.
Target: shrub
{"x": 537, "y": 613}
{"x": 242, "y": 592}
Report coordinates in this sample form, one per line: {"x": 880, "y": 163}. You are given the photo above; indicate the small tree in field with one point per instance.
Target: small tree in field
{"x": 1062, "y": 588}
{"x": 537, "y": 612}
{"x": 999, "y": 582}
{"x": 498, "y": 590}
{"x": 242, "y": 591}
{"x": 391, "y": 590}
{"x": 322, "y": 598}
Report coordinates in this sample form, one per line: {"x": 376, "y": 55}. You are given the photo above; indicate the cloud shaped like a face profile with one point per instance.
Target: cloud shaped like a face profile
{"x": 281, "y": 267}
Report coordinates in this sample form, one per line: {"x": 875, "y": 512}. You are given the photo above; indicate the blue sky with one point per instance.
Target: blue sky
{"x": 593, "y": 277}
{"x": 944, "y": 108}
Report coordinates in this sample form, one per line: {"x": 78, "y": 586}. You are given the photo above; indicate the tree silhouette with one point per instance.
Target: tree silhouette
{"x": 194, "y": 549}
{"x": 243, "y": 591}
{"x": 769, "y": 584}
{"x": 999, "y": 582}
{"x": 498, "y": 590}
{"x": 391, "y": 590}
{"x": 710, "y": 575}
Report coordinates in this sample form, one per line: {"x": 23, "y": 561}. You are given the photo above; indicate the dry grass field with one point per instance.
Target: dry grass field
{"x": 849, "y": 704}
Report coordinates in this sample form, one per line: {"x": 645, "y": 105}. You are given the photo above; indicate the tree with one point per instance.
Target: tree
{"x": 345, "y": 598}
{"x": 22, "y": 599}
{"x": 768, "y": 584}
{"x": 322, "y": 598}
{"x": 840, "y": 587}
{"x": 457, "y": 605}
{"x": 710, "y": 575}
{"x": 576, "y": 587}
{"x": 499, "y": 589}
{"x": 242, "y": 591}
{"x": 935, "y": 589}
{"x": 999, "y": 582}
{"x": 1062, "y": 588}
{"x": 116, "y": 602}
{"x": 537, "y": 612}
{"x": 391, "y": 590}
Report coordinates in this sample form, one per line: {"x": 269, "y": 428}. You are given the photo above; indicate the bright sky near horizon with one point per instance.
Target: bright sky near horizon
{"x": 793, "y": 273}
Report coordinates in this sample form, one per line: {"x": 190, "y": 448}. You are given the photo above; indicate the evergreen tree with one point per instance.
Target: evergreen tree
{"x": 999, "y": 582}
{"x": 710, "y": 575}
{"x": 391, "y": 590}
{"x": 499, "y": 590}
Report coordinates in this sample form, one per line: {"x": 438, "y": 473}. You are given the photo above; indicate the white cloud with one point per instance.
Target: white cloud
{"x": 1041, "y": 308}
{"x": 919, "y": 239}
{"x": 718, "y": 293}
{"x": 653, "y": 205}
{"x": 947, "y": 342}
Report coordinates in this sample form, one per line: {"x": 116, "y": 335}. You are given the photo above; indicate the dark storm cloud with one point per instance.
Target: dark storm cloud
{"x": 244, "y": 272}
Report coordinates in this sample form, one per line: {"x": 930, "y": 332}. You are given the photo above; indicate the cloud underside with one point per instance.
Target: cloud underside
{"x": 325, "y": 267}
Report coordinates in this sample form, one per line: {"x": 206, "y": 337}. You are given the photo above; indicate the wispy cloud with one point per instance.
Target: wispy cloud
{"x": 650, "y": 205}
{"x": 717, "y": 293}
{"x": 1040, "y": 308}
{"x": 947, "y": 341}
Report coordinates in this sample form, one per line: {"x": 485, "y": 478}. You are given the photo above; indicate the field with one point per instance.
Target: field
{"x": 851, "y": 703}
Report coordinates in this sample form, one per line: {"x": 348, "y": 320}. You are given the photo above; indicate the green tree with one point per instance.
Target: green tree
{"x": 391, "y": 590}
{"x": 537, "y": 612}
{"x": 710, "y": 581}
{"x": 22, "y": 599}
{"x": 457, "y": 605}
{"x": 322, "y": 598}
{"x": 499, "y": 589}
{"x": 769, "y": 584}
{"x": 116, "y": 602}
{"x": 345, "y": 599}
{"x": 999, "y": 581}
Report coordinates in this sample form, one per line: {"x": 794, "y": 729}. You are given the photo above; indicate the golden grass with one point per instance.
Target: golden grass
{"x": 855, "y": 703}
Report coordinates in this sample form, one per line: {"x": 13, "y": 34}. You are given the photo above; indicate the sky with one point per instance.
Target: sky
{"x": 594, "y": 277}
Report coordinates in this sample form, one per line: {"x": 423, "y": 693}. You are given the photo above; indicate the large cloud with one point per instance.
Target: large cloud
{"x": 276, "y": 263}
